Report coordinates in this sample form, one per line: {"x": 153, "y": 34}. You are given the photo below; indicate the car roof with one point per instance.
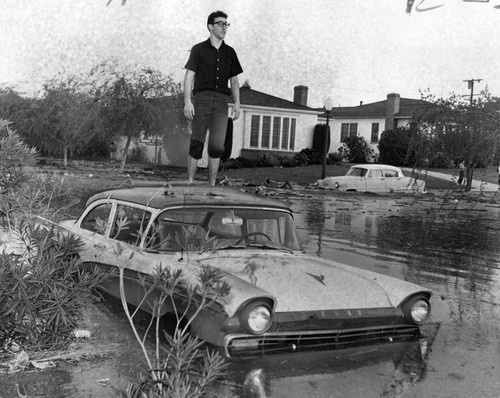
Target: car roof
{"x": 376, "y": 166}
{"x": 187, "y": 195}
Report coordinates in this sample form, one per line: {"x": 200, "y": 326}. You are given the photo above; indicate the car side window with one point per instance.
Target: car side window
{"x": 97, "y": 218}
{"x": 376, "y": 173}
{"x": 129, "y": 224}
{"x": 390, "y": 173}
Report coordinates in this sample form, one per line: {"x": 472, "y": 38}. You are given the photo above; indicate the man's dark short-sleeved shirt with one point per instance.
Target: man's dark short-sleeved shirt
{"x": 213, "y": 67}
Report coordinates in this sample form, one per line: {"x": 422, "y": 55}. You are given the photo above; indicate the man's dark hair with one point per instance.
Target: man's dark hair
{"x": 215, "y": 14}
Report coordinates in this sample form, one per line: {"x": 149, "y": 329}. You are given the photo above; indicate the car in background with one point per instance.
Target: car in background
{"x": 280, "y": 299}
{"x": 373, "y": 178}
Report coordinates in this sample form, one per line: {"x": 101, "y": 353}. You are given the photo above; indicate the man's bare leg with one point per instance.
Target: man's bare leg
{"x": 213, "y": 168}
{"x": 192, "y": 165}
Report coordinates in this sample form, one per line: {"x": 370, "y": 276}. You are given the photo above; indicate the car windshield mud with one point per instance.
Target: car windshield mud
{"x": 267, "y": 246}
{"x": 202, "y": 228}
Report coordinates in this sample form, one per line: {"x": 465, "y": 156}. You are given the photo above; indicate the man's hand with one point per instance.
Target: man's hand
{"x": 236, "y": 111}
{"x": 189, "y": 110}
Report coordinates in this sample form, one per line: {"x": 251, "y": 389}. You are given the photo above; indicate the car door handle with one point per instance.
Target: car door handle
{"x": 99, "y": 246}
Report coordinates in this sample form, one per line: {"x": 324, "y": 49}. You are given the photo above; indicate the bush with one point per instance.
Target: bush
{"x": 233, "y": 164}
{"x": 313, "y": 156}
{"x": 14, "y": 157}
{"x": 247, "y": 162}
{"x": 318, "y": 144}
{"x": 334, "y": 158}
{"x": 43, "y": 290}
{"x": 269, "y": 160}
{"x": 355, "y": 149}
{"x": 401, "y": 147}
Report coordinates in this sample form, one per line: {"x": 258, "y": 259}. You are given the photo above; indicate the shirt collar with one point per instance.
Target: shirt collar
{"x": 209, "y": 43}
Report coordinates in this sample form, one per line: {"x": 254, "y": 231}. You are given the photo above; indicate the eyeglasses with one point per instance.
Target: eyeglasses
{"x": 221, "y": 24}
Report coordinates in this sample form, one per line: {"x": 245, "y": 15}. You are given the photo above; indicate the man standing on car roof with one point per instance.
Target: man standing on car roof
{"x": 211, "y": 64}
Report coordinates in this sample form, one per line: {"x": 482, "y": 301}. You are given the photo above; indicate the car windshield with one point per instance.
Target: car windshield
{"x": 206, "y": 228}
{"x": 357, "y": 172}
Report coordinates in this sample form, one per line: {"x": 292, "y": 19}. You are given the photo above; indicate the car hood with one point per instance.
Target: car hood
{"x": 306, "y": 283}
{"x": 293, "y": 281}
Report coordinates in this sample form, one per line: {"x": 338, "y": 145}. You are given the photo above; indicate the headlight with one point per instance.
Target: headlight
{"x": 336, "y": 185}
{"x": 417, "y": 309}
{"x": 256, "y": 318}
{"x": 420, "y": 311}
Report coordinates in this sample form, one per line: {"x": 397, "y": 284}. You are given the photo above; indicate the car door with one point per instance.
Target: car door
{"x": 393, "y": 181}
{"x": 375, "y": 180}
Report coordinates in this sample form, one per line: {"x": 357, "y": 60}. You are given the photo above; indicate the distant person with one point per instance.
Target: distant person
{"x": 211, "y": 64}
{"x": 112, "y": 152}
{"x": 461, "y": 173}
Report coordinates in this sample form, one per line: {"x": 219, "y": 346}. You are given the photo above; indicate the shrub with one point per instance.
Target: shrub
{"x": 318, "y": 144}
{"x": 400, "y": 147}
{"x": 301, "y": 159}
{"x": 247, "y": 162}
{"x": 44, "y": 289}
{"x": 14, "y": 157}
{"x": 355, "y": 149}
{"x": 233, "y": 164}
{"x": 313, "y": 156}
{"x": 269, "y": 160}
{"x": 334, "y": 157}
{"x": 181, "y": 368}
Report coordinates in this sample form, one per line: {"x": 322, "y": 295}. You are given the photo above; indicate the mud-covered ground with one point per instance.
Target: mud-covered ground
{"x": 394, "y": 234}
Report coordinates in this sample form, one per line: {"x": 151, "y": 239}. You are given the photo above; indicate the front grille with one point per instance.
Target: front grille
{"x": 243, "y": 345}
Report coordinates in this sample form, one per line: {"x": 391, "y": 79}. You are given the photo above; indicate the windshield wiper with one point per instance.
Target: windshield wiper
{"x": 258, "y": 245}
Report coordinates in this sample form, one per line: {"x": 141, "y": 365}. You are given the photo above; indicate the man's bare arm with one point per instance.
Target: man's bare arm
{"x": 188, "y": 87}
{"x": 235, "y": 90}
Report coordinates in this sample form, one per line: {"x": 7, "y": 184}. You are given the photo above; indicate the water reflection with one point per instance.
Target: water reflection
{"x": 451, "y": 248}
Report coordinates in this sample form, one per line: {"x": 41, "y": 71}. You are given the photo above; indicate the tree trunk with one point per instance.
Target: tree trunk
{"x": 65, "y": 155}
{"x": 469, "y": 172}
{"x": 124, "y": 155}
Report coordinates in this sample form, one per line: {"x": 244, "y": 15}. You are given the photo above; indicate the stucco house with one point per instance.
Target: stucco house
{"x": 270, "y": 124}
{"x": 370, "y": 120}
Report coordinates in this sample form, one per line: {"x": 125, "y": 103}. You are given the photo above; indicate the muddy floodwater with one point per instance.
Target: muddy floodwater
{"x": 449, "y": 244}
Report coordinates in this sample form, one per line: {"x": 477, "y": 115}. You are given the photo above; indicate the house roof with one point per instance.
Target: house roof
{"x": 249, "y": 96}
{"x": 407, "y": 108}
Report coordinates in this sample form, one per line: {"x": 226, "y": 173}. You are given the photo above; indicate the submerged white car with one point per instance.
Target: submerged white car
{"x": 373, "y": 178}
{"x": 280, "y": 299}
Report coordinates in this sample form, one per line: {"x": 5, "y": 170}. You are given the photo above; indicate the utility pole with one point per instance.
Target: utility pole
{"x": 470, "y": 82}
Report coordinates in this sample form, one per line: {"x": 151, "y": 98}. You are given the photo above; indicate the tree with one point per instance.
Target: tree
{"x": 355, "y": 149}
{"x": 126, "y": 100}
{"x": 463, "y": 131}
{"x": 67, "y": 114}
{"x": 401, "y": 147}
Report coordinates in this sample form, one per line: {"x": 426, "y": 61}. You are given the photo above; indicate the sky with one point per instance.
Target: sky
{"x": 349, "y": 50}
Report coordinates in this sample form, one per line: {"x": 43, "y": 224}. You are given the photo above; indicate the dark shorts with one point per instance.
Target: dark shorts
{"x": 210, "y": 113}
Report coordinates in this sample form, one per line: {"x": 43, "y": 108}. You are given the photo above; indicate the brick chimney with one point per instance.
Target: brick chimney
{"x": 391, "y": 109}
{"x": 300, "y": 95}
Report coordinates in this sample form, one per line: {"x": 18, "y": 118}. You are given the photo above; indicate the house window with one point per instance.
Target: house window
{"x": 266, "y": 132}
{"x": 348, "y": 130}
{"x": 375, "y": 127}
{"x": 276, "y": 133}
{"x": 254, "y": 131}
{"x": 285, "y": 133}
